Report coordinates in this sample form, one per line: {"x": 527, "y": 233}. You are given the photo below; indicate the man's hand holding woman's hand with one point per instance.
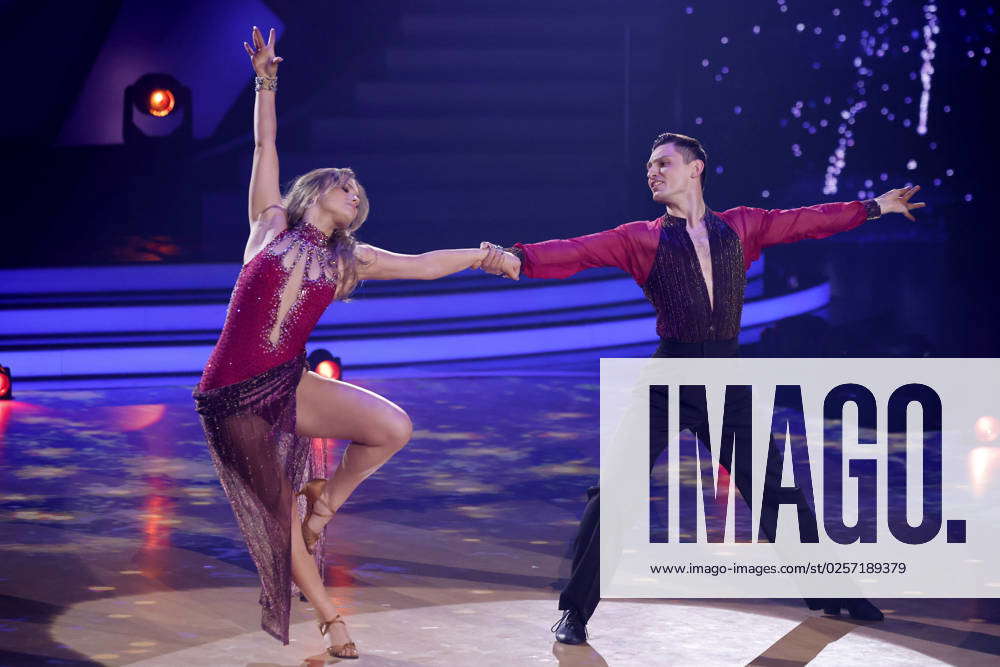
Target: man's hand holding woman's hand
{"x": 499, "y": 262}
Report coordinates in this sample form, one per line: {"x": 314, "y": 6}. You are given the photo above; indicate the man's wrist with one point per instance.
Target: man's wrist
{"x": 873, "y": 209}
{"x": 517, "y": 252}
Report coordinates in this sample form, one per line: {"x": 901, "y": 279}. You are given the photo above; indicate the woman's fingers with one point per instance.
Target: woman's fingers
{"x": 270, "y": 37}
{"x": 493, "y": 262}
{"x": 248, "y": 50}
{"x": 919, "y": 204}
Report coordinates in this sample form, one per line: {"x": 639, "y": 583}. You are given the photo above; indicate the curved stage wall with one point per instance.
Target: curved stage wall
{"x": 161, "y": 320}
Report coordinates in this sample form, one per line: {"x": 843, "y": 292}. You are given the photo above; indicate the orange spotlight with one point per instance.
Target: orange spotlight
{"x": 157, "y": 108}
{"x": 6, "y": 385}
{"x": 161, "y": 102}
{"x": 325, "y": 364}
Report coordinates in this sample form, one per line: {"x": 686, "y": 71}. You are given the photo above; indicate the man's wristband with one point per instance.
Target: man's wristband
{"x": 265, "y": 83}
{"x": 872, "y": 209}
{"x": 517, "y": 252}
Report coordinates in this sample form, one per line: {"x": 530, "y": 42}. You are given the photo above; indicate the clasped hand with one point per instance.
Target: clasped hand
{"x": 499, "y": 262}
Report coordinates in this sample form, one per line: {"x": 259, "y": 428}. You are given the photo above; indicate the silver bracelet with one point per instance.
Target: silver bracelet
{"x": 265, "y": 83}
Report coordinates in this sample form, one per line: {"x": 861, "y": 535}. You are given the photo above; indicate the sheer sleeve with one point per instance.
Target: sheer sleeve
{"x": 759, "y": 228}
{"x": 630, "y": 247}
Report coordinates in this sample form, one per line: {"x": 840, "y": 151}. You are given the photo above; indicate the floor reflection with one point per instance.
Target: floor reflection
{"x": 118, "y": 546}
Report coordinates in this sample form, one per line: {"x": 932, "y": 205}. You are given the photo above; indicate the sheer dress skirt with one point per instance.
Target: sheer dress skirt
{"x": 250, "y": 430}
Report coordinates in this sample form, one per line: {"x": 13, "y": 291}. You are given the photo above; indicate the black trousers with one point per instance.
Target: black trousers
{"x": 582, "y": 593}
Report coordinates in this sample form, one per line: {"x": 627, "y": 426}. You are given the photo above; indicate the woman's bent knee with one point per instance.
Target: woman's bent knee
{"x": 398, "y": 431}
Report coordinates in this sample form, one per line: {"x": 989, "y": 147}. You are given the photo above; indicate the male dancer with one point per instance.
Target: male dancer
{"x": 691, "y": 263}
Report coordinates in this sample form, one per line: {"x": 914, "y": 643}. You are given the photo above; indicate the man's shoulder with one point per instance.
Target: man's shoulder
{"x": 737, "y": 211}
{"x": 640, "y": 226}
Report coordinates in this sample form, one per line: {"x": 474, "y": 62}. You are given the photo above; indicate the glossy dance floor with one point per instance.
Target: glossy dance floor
{"x": 118, "y": 547}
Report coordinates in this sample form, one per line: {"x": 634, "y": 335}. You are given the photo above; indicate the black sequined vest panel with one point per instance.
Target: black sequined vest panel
{"x": 677, "y": 290}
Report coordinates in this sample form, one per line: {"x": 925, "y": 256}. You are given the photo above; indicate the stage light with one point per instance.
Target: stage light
{"x": 6, "y": 384}
{"x": 329, "y": 369}
{"x": 325, "y": 364}
{"x": 157, "y": 109}
{"x": 161, "y": 102}
{"x": 987, "y": 429}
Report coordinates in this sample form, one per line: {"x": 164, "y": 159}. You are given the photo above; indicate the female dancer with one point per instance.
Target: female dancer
{"x": 258, "y": 403}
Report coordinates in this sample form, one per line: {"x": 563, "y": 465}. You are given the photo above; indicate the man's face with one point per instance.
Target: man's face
{"x": 668, "y": 176}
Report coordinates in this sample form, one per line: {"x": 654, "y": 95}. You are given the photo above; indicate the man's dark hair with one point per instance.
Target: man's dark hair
{"x": 687, "y": 146}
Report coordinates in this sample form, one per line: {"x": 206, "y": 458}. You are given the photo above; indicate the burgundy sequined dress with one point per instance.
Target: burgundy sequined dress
{"x": 246, "y": 401}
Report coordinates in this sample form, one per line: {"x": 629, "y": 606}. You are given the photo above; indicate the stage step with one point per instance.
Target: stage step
{"x": 445, "y": 169}
{"x": 151, "y": 320}
{"x": 525, "y": 30}
{"x": 520, "y": 64}
{"x": 475, "y": 133}
{"x": 451, "y": 98}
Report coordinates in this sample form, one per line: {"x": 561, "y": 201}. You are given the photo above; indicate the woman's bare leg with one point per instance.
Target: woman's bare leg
{"x": 376, "y": 427}
{"x": 307, "y": 577}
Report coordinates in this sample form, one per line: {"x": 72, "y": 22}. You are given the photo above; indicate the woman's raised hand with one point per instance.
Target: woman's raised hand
{"x": 262, "y": 57}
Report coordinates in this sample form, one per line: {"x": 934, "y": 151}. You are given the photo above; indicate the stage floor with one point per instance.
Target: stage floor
{"x": 118, "y": 547}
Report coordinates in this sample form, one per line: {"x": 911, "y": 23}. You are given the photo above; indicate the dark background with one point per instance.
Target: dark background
{"x": 525, "y": 121}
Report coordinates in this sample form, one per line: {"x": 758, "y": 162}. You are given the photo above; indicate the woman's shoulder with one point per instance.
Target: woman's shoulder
{"x": 264, "y": 231}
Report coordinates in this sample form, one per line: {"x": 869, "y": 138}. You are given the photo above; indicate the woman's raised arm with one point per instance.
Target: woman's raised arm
{"x": 265, "y": 191}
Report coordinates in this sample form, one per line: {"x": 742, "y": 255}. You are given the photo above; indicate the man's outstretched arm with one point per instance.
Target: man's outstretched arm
{"x": 759, "y": 228}
{"x": 630, "y": 247}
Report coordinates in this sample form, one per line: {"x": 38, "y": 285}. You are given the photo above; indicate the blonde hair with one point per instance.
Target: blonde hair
{"x": 303, "y": 193}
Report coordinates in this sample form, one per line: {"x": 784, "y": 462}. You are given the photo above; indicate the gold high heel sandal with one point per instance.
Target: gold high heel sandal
{"x": 348, "y": 651}
{"x": 313, "y": 491}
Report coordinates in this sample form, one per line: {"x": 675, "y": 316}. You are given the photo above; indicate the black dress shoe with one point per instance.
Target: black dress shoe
{"x": 860, "y": 609}
{"x": 570, "y": 629}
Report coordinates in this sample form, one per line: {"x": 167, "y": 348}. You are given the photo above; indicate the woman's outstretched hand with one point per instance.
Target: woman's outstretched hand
{"x": 500, "y": 262}
{"x": 898, "y": 201}
{"x": 262, "y": 57}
